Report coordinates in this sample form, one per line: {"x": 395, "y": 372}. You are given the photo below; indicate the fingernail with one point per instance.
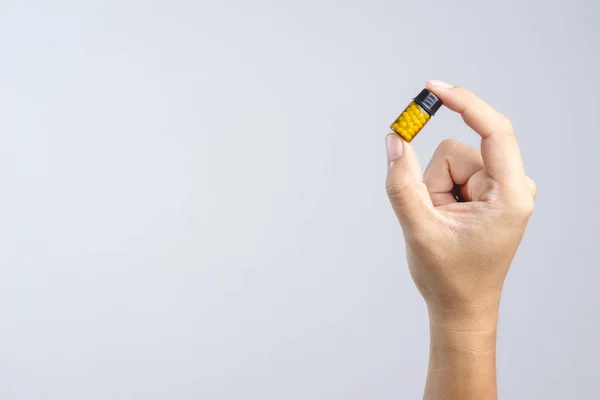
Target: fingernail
{"x": 394, "y": 147}
{"x": 441, "y": 84}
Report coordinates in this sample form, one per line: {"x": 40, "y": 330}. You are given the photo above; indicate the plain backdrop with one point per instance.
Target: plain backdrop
{"x": 192, "y": 199}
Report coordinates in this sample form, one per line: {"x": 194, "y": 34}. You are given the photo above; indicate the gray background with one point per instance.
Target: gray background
{"x": 192, "y": 202}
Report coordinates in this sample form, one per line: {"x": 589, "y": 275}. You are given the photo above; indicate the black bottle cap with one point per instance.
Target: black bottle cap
{"x": 428, "y": 101}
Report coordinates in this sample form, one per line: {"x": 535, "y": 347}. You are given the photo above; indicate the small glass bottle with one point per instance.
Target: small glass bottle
{"x": 416, "y": 115}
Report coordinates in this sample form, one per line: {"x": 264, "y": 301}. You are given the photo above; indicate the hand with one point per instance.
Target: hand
{"x": 459, "y": 252}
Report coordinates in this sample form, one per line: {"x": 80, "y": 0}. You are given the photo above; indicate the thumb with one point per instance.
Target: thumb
{"x": 405, "y": 188}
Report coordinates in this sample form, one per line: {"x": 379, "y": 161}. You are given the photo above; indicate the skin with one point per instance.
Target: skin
{"x": 459, "y": 252}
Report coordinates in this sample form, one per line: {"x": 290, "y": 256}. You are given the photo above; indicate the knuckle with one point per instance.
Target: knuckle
{"x": 528, "y": 208}
{"x": 507, "y": 125}
{"x": 404, "y": 198}
{"x": 524, "y": 209}
{"x": 532, "y": 187}
{"x": 397, "y": 193}
{"x": 447, "y": 145}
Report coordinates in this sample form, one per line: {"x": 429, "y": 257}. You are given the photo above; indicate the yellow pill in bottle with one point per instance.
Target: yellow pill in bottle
{"x": 416, "y": 115}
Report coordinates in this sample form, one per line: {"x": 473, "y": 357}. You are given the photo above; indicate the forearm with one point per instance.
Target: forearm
{"x": 462, "y": 358}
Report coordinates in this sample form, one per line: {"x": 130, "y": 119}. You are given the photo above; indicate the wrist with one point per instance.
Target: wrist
{"x": 472, "y": 317}
{"x": 465, "y": 333}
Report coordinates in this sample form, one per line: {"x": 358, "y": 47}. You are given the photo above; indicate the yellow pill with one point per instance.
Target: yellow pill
{"x": 403, "y": 124}
{"x": 411, "y": 131}
{"x": 413, "y": 118}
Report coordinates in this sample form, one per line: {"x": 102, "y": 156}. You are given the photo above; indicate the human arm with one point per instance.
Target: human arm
{"x": 459, "y": 252}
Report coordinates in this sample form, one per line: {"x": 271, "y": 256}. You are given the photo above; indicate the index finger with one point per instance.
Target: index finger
{"x": 499, "y": 147}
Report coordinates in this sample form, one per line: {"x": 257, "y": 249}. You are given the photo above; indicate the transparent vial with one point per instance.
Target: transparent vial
{"x": 416, "y": 115}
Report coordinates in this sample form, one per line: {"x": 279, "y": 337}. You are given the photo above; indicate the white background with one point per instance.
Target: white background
{"x": 192, "y": 202}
